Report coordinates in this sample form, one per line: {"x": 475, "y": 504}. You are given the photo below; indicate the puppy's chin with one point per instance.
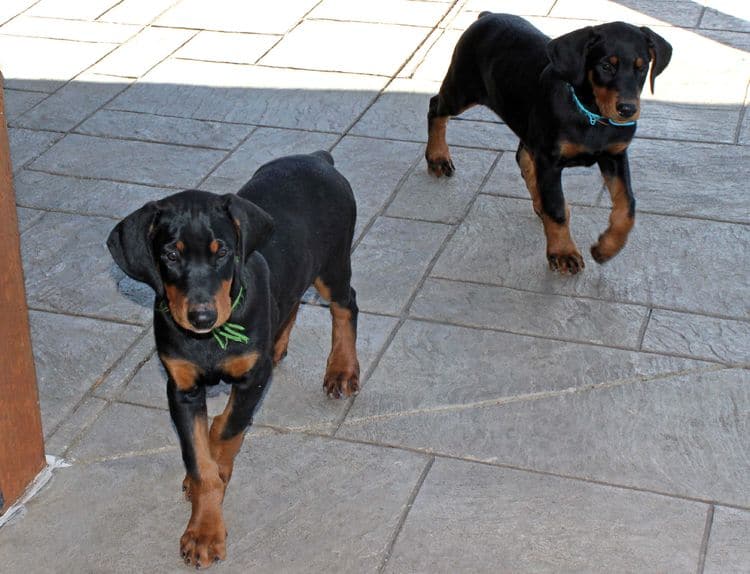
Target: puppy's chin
{"x": 201, "y": 331}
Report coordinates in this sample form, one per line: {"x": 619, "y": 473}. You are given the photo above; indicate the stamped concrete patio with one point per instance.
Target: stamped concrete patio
{"x": 511, "y": 420}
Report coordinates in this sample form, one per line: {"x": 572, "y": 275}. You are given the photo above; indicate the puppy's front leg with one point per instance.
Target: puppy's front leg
{"x": 204, "y": 540}
{"x": 616, "y": 174}
{"x": 562, "y": 253}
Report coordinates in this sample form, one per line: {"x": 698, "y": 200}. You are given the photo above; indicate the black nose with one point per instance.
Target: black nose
{"x": 202, "y": 316}
{"x": 626, "y": 110}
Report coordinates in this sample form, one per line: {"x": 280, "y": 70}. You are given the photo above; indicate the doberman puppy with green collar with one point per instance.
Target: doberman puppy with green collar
{"x": 229, "y": 272}
{"x": 572, "y": 101}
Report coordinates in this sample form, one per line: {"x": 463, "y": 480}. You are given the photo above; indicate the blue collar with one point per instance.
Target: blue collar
{"x": 591, "y": 116}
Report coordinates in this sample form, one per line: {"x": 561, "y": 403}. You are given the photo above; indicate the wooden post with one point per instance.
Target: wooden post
{"x": 21, "y": 439}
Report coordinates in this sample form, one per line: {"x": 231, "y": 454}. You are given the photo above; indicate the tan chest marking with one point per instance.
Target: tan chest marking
{"x": 238, "y": 365}
{"x": 183, "y": 372}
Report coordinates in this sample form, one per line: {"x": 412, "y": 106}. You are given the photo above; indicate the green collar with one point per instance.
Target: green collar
{"x": 228, "y": 331}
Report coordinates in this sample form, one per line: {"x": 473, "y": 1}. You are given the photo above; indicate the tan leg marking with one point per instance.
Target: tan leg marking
{"x": 282, "y": 337}
{"x": 223, "y": 451}
{"x": 204, "y": 540}
{"x": 342, "y": 370}
{"x": 528, "y": 172}
{"x": 620, "y": 222}
{"x": 183, "y": 372}
{"x": 562, "y": 253}
{"x": 438, "y": 155}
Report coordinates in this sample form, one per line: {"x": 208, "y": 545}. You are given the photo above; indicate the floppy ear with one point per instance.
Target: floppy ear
{"x": 661, "y": 53}
{"x": 253, "y": 224}
{"x": 567, "y": 54}
{"x": 130, "y": 246}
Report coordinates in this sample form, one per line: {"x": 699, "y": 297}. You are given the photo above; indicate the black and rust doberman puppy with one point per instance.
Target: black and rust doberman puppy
{"x": 228, "y": 272}
{"x": 571, "y": 101}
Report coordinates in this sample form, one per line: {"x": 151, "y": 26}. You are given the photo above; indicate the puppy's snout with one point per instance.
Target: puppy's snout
{"x": 626, "y": 110}
{"x": 202, "y": 316}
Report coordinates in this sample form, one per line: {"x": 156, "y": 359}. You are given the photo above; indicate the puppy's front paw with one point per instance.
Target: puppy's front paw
{"x": 566, "y": 263}
{"x": 342, "y": 382}
{"x": 204, "y": 543}
{"x": 440, "y": 164}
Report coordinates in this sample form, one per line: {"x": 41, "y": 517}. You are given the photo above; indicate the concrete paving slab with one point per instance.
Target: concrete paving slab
{"x": 225, "y": 47}
{"x": 727, "y": 548}
{"x": 81, "y": 10}
{"x": 374, "y": 169}
{"x": 384, "y": 12}
{"x": 696, "y": 122}
{"x": 264, "y": 145}
{"x": 76, "y": 424}
{"x": 161, "y": 129}
{"x": 231, "y": 16}
{"x": 83, "y": 196}
{"x": 71, "y": 355}
{"x": 148, "y": 386}
{"x": 66, "y": 29}
{"x": 638, "y": 12}
{"x": 37, "y": 71}
{"x": 679, "y": 435}
{"x": 142, "y": 52}
{"x": 390, "y": 260}
{"x": 27, "y": 145}
{"x": 502, "y": 242}
{"x": 125, "y": 430}
{"x": 523, "y": 312}
{"x": 726, "y": 15}
{"x": 306, "y": 47}
{"x": 74, "y": 102}
{"x": 433, "y": 367}
{"x": 323, "y": 101}
{"x": 135, "y": 11}
{"x": 472, "y": 517}
{"x": 17, "y": 102}
{"x": 445, "y": 199}
{"x": 284, "y": 510}
{"x": 133, "y": 161}
{"x": 65, "y": 256}
{"x": 700, "y": 337}
{"x": 296, "y": 397}
{"x": 27, "y": 218}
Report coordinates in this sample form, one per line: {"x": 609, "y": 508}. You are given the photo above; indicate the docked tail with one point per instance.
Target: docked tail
{"x": 324, "y": 155}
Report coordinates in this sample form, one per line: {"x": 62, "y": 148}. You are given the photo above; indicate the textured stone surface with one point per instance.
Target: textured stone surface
{"x": 68, "y": 268}
{"x": 296, "y": 397}
{"x": 132, "y": 161}
{"x": 639, "y": 12}
{"x": 431, "y": 367}
{"x": 76, "y": 424}
{"x": 27, "y": 218}
{"x": 307, "y": 47}
{"x": 123, "y": 430}
{"x": 696, "y": 122}
{"x": 323, "y": 101}
{"x": 36, "y": 71}
{"x": 374, "y": 169}
{"x": 84, "y": 196}
{"x": 26, "y": 145}
{"x": 64, "y": 29}
{"x": 701, "y": 337}
{"x": 285, "y": 489}
{"x": 73, "y": 103}
{"x": 726, "y": 15}
{"x": 502, "y": 242}
{"x": 475, "y": 518}
{"x": 18, "y": 102}
{"x": 682, "y": 435}
{"x": 728, "y": 550}
{"x": 135, "y": 11}
{"x": 523, "y": 312}
{"x": 71, "y": 354}
{"x": 391, "y": 259}
{"x": 148, "y": 386}
{"x": 223, "y": 47}
{"x": 445, "y": 199}
{"x": 384, "y": 12}
{"x": 84, "y": 9}
{"x": 147, "y": 127}
{"x": 264, "y": 145}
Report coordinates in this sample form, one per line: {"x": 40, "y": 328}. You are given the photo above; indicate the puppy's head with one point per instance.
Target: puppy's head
{"x": 614, "y": 60}
{"x": 189, "y": 247}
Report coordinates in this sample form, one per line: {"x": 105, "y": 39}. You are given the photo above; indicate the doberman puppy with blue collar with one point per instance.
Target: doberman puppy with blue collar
{"x": 572, "y": 101}
{"x": 229, "y": 272}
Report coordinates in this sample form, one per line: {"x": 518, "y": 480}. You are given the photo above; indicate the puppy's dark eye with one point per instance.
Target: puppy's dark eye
{"x": 172, "y": 255}
{"x": 607, "y": 67}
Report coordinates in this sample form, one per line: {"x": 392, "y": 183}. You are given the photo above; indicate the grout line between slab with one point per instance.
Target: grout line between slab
{"x": 405, "y": 514}
{"x": 644, "y": 327}
{"x": 743, "y": 113}
{"x": 474, "y": 460}
{"x": 144, "y": 325}
{"x": 706, "y": 538}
